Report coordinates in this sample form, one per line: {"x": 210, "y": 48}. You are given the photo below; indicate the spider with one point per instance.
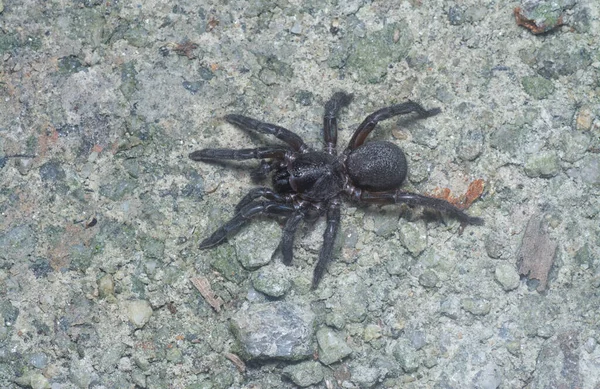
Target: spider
{"x": 308, "y": 184}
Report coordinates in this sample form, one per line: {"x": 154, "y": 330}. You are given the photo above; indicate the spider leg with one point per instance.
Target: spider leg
{"x": 287, "y": 238}
{"x": 399, "y": 196}
{"x": 242, "y": 217}
{"x": 333, "y": 224}
{"x": 277, "y": 152}
{"x": 371, "y": 121}
{"x": 261, "y": 191}
{"x": 246, "y": 123}
{"x": 330, "y": 128}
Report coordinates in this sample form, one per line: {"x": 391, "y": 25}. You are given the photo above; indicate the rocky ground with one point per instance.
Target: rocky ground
{"x": 102, "y": 284}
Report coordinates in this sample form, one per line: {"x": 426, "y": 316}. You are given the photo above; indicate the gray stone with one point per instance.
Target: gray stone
{"x": 255, "y": 244}
{"x": 52, "y": 171}
{"x": 560, "y": 365}
{"x": 34, "y": 380}
{"x": 364, "y": 376}
{"x": 414, "y": 237}
{"x": 428, "y": 279}
{"x": 494, "y": 245}
{"x": 450, "y": 307}
{"x": 471, "y": 145}
{"x": 406, "y": 356}
{"x": 544, "y": 164}
{"x": 537, "y": 87}
{"x": 38, "y": 360}
{"x": 370, "y": 56}
{"x": 332, "y": 347}
{"x": 304, "y": 374}
{"x": 138, "y": 312}
{"x": 17, "y": 243}
{"x": 488, "y": 377}
{"x": 372, "y": 332}
{"x": 507, "y": 276}
{"x": 475, "y": 306}
{"x": 106, "y": 286}
{"x": 117, "y": 189}
{"x": 225, "y": 262}
{"x": 277, "y": 330}
{"x": 272, "y": 280}
{"x": 590, "y": 170}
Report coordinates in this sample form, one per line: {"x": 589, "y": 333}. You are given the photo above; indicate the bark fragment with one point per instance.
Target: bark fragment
{"x": 537, "y": 252}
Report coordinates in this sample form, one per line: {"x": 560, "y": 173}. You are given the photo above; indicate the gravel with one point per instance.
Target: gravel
{"x": 102, "y": 211}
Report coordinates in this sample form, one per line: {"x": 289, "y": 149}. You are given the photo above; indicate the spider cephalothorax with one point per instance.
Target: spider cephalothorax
{"x": 308, "y": 183}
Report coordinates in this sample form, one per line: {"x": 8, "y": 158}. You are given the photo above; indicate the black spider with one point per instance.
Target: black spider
{"x": 308, "y": 183}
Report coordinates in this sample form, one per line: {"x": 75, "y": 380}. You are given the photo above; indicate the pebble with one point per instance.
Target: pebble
{"x": 507, "y": 276}
{"x": 106, "y": 286}
{"x": 544, "y": 165}
{"x": 278, "y": 329}
{"x": 332, "y": 347}
{"x": 38, "y": 360}
{"x": 406, "y": 356}
{"x": 272, "y": 280}
{"x": 477, "y": 307}
{"x": 138, "y": 312}
{"x": 414, "y": 237}
{"x": 305, "y": 373}
{"x": 584, "y": 119}
{"x": 428, "y": 279}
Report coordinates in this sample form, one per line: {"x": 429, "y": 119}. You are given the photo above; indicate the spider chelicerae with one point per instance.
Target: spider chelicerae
{"x": 308, "y": 184}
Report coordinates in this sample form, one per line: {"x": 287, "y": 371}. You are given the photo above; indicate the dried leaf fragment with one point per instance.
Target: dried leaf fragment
{"x": 462, "y": 201}
{"x": 203, "y": 286}
{"x": 241, "y": 366}
{"x": 537, "y": 252}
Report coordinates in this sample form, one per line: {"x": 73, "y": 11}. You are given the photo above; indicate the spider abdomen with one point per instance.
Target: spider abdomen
{"x": 377, "y": 166}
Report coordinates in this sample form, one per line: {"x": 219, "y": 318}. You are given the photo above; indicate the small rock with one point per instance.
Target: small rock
{"x": 386, "y": 223}
{"x": 450, "y": 307}
{"x": 537, "y": 87}
{"x": 428, "y": 279}
{"x": 138, "y": 312}
{"x": 507, "y": 276}
{"x": 226, "y": 263}
{"x": 590, "y": 345}
{"x": 255, "y": 244}
{"x": 33, "y": 380}
{"x": 52, "y": 171}
{"x": 296, "y": 28}
{"x": 106, "y": 286}
{"x": 494, "y": 245}
{"x": 414, "y": 237}
{"x": 544, "y": 164}
{"x": 304, "y": 374}
{"x": 488, "y": 377}
{"x": 278, "y": 330}
{"x": 406, "y": 356}
{"x": 477, "y": 307}
{"x": 17, "y": 243}
{"x": 332, "y": 347}
{"x": 38, "y": 360}
{"x": 590, "y": 170}
{"x": 372, "y": 332}
{"x": 471, "y": 145}
{"x": 365, "y": 377}
{"x": 272, "y": 280}
{"x": 514, "y": 347}
{"x": 456, "y": 15}
{"x": 584, "y": 119}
